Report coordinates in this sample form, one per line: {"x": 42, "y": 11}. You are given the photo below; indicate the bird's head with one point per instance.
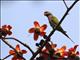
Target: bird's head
{"x": 47, "y": 13}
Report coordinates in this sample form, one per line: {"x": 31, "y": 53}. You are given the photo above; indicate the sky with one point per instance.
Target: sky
{"x": 21, "y": 15}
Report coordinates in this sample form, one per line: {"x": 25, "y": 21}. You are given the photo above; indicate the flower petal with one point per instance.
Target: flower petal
{"x": 14, "y": 58}
{"x": 9, "y": 32}
{"x": 53, "y": 45}
{"x": 11, "y": 52}
{"x": 36, "y": 24}
{"x": 4, "y": 26}
{"x": 63, "y": 47}
{"x": 18, "y": 47}
{"x": 20, "y": 58}
{"x": 43, "y": 27}
{"x": 48, "y": 46}
{"x": 24, "y": 51}
{"x": 9, "y": 27}
{"x": 75, "y": 47}
{"x": 71, "y": 49}
{"x": 77, "y": 53}
{"x": 42, "y": 33}
{"x": 31, "y": 30}
{"x": 35, "y": 36}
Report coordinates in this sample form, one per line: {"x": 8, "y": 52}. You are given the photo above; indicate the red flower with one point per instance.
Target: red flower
{"x": 62, "y": 51}
{"x": 15, "y": 56}
{"x": 49, "y": 47}
{"x": 51, "y": 52}
{"x": 6, "y": 27}
{"x": 38, "y": 30}
{"x": 72, "y": 51}
{"x": 5, "y": 30}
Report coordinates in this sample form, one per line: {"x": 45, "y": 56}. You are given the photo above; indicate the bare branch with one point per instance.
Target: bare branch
{"x": 6, "y": 57}
{"x": 52, "y": 32}
{"x": 12, "y": 48}
{"x": 21, "y": 43}
{"x": 65, "y": 4}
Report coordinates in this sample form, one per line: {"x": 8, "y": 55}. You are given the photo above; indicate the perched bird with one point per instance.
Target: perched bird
{"x": 54, "y": 22}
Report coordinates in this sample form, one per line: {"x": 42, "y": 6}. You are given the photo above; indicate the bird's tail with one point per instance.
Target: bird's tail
{"x": 64, "y": 32}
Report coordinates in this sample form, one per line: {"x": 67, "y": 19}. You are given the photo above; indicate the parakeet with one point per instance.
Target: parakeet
{"x": 54, "y": 22}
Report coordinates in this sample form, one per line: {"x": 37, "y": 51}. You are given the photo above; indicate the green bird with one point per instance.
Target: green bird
{"x": 54, "y": 22}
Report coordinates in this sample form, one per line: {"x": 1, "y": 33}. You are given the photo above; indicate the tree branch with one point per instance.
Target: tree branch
{"x": 65, "y": 4}
{"x": 21, "y": 43}
{"x": 6, "y": 57}
{"x": 63, "y": 18}
{"x": 12, "y": 48}
{"x": 52, "y": 32}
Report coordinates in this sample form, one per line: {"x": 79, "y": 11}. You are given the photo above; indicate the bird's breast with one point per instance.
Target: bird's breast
{"x": 52, "y": 24}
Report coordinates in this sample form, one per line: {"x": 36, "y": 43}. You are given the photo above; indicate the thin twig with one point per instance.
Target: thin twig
{"x": 52, "y": 32}
{"x": 65, "y": 4}
{"x": 21, "y": 43}
{"x": 6, "y": 57}
{"x": 12, "y": 48}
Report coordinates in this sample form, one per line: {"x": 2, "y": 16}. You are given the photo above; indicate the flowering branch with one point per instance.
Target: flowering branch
{"x": 12, "y": 48}
{"x": 52, "y": 32}
{"x": 21, "y": 43}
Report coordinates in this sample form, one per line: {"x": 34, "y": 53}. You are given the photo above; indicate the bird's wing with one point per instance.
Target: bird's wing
{"x": 55, "y": 20}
